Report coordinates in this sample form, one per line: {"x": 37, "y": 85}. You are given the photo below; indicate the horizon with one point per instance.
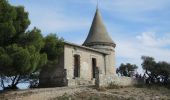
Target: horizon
{"x": 137, "y": 27}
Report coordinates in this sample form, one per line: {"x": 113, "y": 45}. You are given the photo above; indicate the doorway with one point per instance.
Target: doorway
{"x": 94, "y": 65}
{"x": 76, "y": 66}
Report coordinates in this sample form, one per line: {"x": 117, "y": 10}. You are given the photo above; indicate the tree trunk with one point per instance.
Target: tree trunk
{"x": 2, "y": 83}
{"x": 15, "y": 82}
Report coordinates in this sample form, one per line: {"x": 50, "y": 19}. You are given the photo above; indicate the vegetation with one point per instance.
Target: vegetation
{"x": 126, "y": 69}
{"x": 22, "y": 52}
{"x": 156, "y": 72}
{"x": 53, "y": 47}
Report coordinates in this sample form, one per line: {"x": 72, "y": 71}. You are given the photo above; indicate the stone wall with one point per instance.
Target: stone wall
{"x": 103, "y": 80}
{"x": 54, "y": 75}
{"x": 109, "y": 59}
{"x": 86, "y": 56}
{"x": 79, "y": 81}
{"x": 57, "y": 79}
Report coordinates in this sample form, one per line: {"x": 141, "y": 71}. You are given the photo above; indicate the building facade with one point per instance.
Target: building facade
{"x": 78, "y": 63}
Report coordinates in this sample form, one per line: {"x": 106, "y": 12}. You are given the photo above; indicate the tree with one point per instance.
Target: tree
{"x": 20, "y": 53}
{"x": 13, "y": 22}
{"x": 126, "y": 69}
{"x": 23, "y": 53}
{"x": 53, "y": 47}
{"x": 148, "y": 65}
{"x": 18, "y": 61}
{"x": 163, "y": 71}
{"x": 157, "y": 72}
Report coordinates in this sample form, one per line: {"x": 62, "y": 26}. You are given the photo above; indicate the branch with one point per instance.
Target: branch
{"x": 13, "y": 80}
{"x": 17, "y": 79}
{"x": 2, "y": 82}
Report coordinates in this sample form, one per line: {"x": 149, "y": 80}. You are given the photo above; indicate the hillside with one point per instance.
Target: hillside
{"x": 88, "y": 93}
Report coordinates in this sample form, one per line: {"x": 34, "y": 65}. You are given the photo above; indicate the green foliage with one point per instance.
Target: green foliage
{"x": 157, "y": 72}
{"x": 19, "y": 60}
{"x": 42, "y": 61}
{"x": 22, "y": 21}
{"x": 53, "y": 47}
{"x": 13, "y": 22}
{"x": 163, "y": 68}
{"x": 19, "y": 49}
{"x": 148, "y": 63}
{"x": 126, "y": 69}
{"x": 23, "y": 52}
{"x": 5, "y": 63}
{"x": 32, "y": 38}
{"x": 7, "y": 15}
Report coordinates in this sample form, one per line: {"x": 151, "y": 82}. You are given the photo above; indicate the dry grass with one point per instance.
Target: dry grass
{"x": 90, "y": 93}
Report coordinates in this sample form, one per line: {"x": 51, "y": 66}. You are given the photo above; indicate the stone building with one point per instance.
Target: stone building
{"x": 78, "y": 63}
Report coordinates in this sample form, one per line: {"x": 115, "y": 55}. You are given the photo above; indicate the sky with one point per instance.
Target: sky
{"x": 138, "y": 27}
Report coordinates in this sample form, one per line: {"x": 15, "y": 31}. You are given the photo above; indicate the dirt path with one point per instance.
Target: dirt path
{"x": 41, "y": 94}
{"x": 87, "y": 93}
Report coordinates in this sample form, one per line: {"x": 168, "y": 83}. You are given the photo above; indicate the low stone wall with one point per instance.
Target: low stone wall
{"x": 103, "y": 80}
{"x": 106, "y": 80}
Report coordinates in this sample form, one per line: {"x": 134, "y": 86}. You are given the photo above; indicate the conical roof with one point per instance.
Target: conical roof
{"x": 98, "y": 33}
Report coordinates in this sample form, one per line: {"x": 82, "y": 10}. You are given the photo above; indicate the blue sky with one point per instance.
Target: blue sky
{"x": 138, "y": 27}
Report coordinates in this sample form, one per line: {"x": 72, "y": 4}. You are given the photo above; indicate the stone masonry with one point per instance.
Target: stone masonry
{"x": 79, "y": 63}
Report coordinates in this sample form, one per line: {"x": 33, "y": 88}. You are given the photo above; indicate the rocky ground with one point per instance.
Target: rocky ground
{"x": 88, "y": 93}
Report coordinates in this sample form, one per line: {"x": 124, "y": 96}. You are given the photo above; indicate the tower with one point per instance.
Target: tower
{"x": 98, "y": 38}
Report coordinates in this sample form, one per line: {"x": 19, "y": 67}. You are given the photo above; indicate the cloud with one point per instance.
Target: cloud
{"x": 144, "y": 44}
{"x": 49, "y": 20}
{"x": 150, "y": 39}
{"x": 147, "y": 44}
